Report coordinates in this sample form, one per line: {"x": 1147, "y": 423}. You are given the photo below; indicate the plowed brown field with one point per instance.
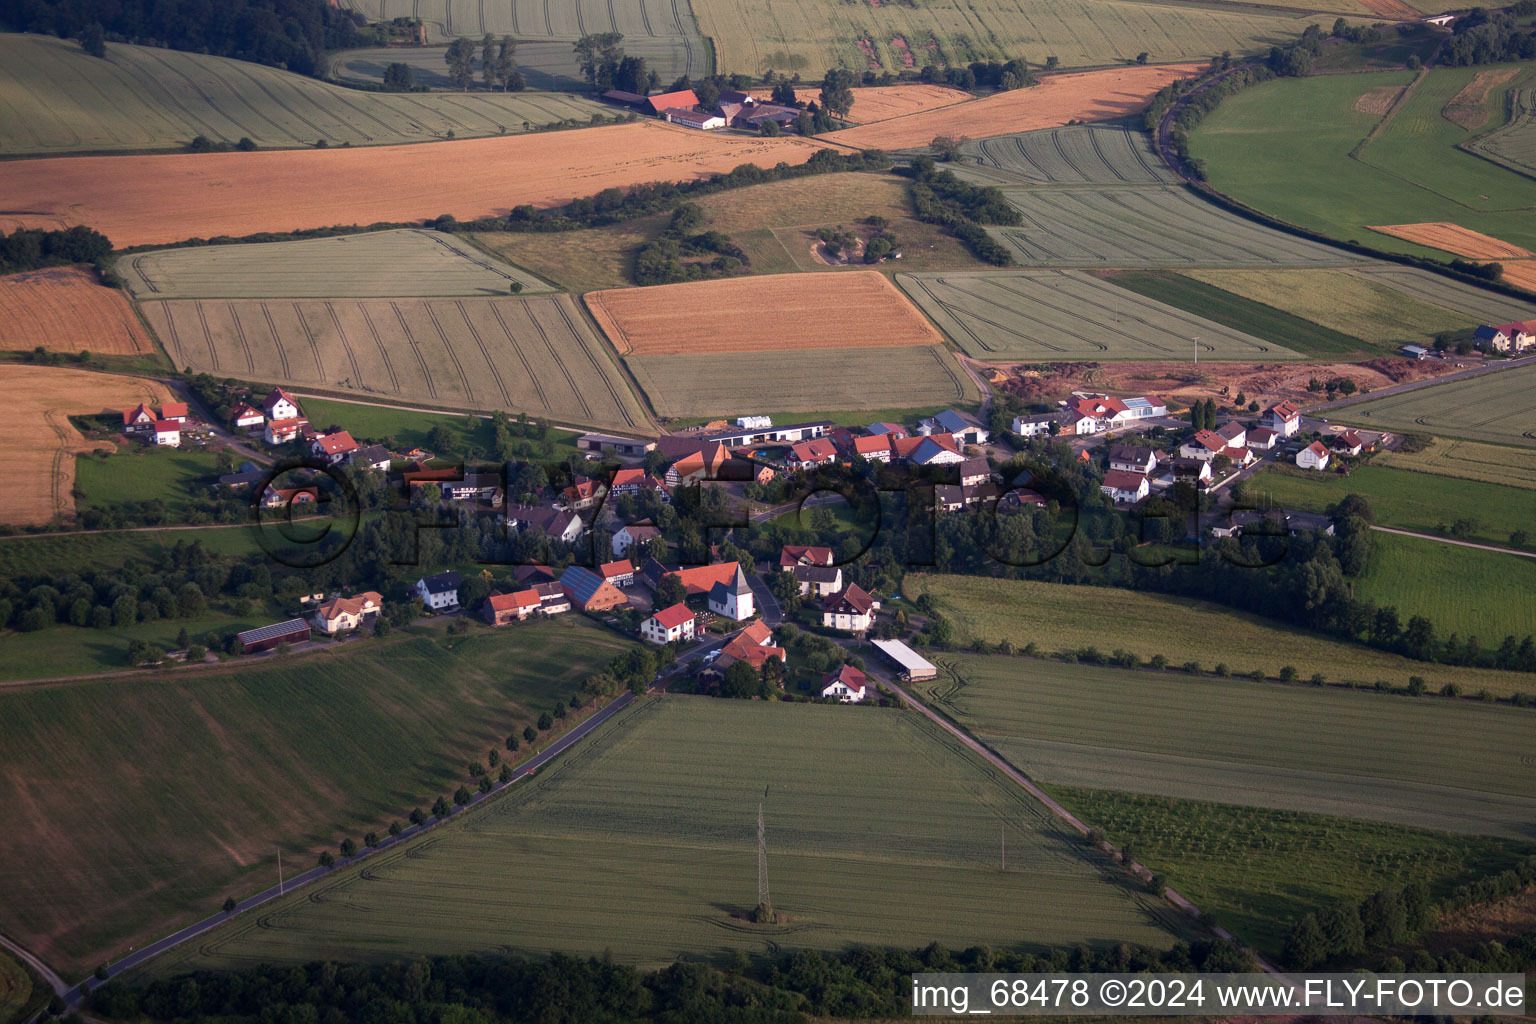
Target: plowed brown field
{"x": 147, "y": 200}
{"x": 37, "y": 442}
{"x": 1058, "y": 99}
{"x": 882, "y": 102}
{"x": 1453, "y": 238}
{"x": 759, "y": 314}
{"x": 63, "y": 309}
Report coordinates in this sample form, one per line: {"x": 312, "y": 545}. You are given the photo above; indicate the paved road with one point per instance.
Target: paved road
{"x": 1427, "y": 382}
{"x": 43, "y": 970}
{"x": 239, "y": 445}
{"x": 1458, "y": 543}
{"x": 773, "y": 614}
{"x": 76, "y": 994}
{"x": 1055, "y": 808}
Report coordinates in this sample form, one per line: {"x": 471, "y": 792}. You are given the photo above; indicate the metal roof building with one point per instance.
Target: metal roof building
{"x": 266, "y": 637}
{"x": 913, "y": 667}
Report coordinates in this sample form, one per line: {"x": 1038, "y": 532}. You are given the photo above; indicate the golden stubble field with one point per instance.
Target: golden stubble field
{"x": 150, "y": 200}
{"x": 64, "y": 309}
{"x": 39, "y": 444}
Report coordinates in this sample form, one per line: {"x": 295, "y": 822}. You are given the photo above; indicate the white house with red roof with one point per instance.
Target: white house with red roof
{"x": 333, "y": 448}
{"x": 630, "y": 482}
{"x": 1094, "y": 414}
{"x": 175, "y": 411}
{"x": 620, "y": 573}
{"x": 138, "y": 419}
{"x": 168, "y": 433}
{"x": 1205, "y": 445}
{"x": 819, "y": 451}
{"x": 501, "y": 609}
{"x": 670, "y": 625}
{"x": 248, "y": 418}
{"x": 1313, "y": 456}
{"x": 280, "y": 405}
{"x": 1124, "y": 487}
{"x": 847, "y": 684}
{"x": 1284, "y": 418}
{"x": 1347, "y": 443}
{"x": 875, "y": 447}
{"x": 850, "y": 609}
{"x": 284, "y": 431}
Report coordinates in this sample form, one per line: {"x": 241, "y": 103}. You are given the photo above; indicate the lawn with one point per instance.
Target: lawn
{"x": 1292, "y": 148}
{"x": 1320, "y": 750}
{"x": 1468, "y": 460}
{"x": 1495, "y": 407}
{"x": 19, "y": 998}
{"x": 1466, "y": 591}
{"x": 179, "y": 477}
{"x": 50, "y": 553}
{"x": 74, "y": 650}
{"x": 1059, "y": 616}
{"x": 410, "y": 429}
{"x": 1256, "y": 871}
{"x": 213, "y": 773}
{"x": 881, "y": 830}
{"x": 1410, "y": 501}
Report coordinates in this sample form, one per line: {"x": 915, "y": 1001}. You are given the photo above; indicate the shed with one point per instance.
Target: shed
{"x": 265, "y": 638}
{"x": 914, "y": 668}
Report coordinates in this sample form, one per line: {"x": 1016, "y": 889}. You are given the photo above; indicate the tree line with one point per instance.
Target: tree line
{"x": 939, "y": 197}
{"x": 1492, "y": 37}
{"x": 682, "y": 252}
{"x": 32, "y": 248}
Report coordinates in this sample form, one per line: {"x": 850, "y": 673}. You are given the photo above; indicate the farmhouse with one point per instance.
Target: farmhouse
{"x": 140, "y": 418}
{"x": 375, "y": 456}
{"x": 631, "y": 482}
{"x": 333, "y": 448}
{"x": 501, "y": 609}
{"x": 847, "y": 685}
{"x": 818, "y": 580}
{"x": 657, "y": 104}
{"x": 168, "y": 433}
{"x": 791, "y": 555}
{"x": 552, "y": 598}
{"x": 810, "y": 454}
{"x": 705, "y": 464}
{"x": 1234, "y": 433}
{"x": 1494, "y": 339}
{"x": 963, "y": 428}
{"x": 851, "y": 610}
{"x": 753, "y": 645}
{"x": 283, "y": 431}
{"x": 910, "y": 666}
{"x": 1519, "y": 335}
{"x": 247, "y": 418}
{"x": 1283, "y": 418}
{"x": 1130, "y": 458}
{"x": 439, "y": 591}
{"x": 589, "y": 592}
{"x": 1205, "y": 445}
{"x": 1313, "y": 456}
{"x": 734, "y": 599}
{"x": 1125, "y": 488}
{"x": 611, "y": 444}
{"x": 1037, "y": 425}
{"x": 669, "y": 626}
{"x": 876, "y": 447}
{"x": 582, "y": 494}
{"x": 620, "y": 573}
{"x": 341, "y": 614}
{"x": 631, "y": 535}
{"x": 1347, "y": 443}
{"x": 1192, "y": 471}
{"x": 294, "y": 631}
{"x": 752, "y": 436}
{"x": 280, "y": 405}
{"x": 554, "y": 523}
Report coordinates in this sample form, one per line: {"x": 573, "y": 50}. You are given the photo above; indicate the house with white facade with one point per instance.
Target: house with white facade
{"x": 440, "y": 591}
{"x": 1313, "y": 456}
{"x": 670, "y": 625}
{"x": 847, "y": 684}
{"x": 1284, "y": 418}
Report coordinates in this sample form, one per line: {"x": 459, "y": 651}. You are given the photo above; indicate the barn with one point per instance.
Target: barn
{"x": 294, "y": 631}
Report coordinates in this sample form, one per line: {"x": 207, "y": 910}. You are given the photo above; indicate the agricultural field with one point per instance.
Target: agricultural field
{"x": 806, "y": 381}
{"x": 61, "y": 553}
{"x": 774, "y": 223}
{"x": 536, "y": 356}
{"x": 161, "y": 199}
{"x": 1468, "y": 460}
{"x": 410, "y": 429}
{"x": 1476, "y": 304}
{"x": 61, "y": 100}
{"x": 1239, "y": 313}
{"x": 178, "y": 477}
{"x": 1145, "y": 226}
{"x": 1255, "y": 871}
{"x": 1407, "y": 501}
{"x": 1495, "y": 407}
{"x": 808, "y": 37}
{"x": 386, "y": 264}
{"x": 1063, "y": 617}
{"x": 1350, "y": 304}
{"x": 40, "y": 444}
{"x": 307, "y": 751}
{"x": 881, "y": 830}
{"x": 1513, "y": 143}
{"x": 645, "y": 24}
{"x": 1297, "y": 149}
{"x": 1464, "y": 591}
{"x": 1056, "y": 314}
{"x": 547, "y": 65}
{"x": 790, "y": 311}
{"x": 1453, "y": 238}
{"x": 1056, "y": 101}
{"x": 65, "y": 309}
{"x": 1079, "y": 155}
{"x": 1320, "y": 750}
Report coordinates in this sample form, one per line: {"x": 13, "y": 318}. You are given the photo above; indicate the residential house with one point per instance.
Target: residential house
{"x": 342, "y": 614}
{"x": 1205, "y": 445}
{"x": 440, "y": 591}
{"x": 1520, "y": 337}
{"x": 375, "y": 456}
{"x": 948, "y": 497}
{"x": 552, "y": 598}
{"x": 1238, "y": 455}
{"x": 706, "y": 464}
{"x": 791, "y": 555}
{"x": 501, "y": 609}
{"x": 875, "y": 447}
{"x": 483, "y": 487}
{"x": 280, "y": 405}
{"x": 176, "y": 412}
{"x": 1041, "y": 424}
{"x": 1235, "y": 434}
{"x": 850, "y": 609}
{"x": 283, "y": 431}
{"x": 847, "y": 685}
{"x": 1313, "y": 456}
{"x": 929, "y": 451}
{"x": 168, "y": 433}
{"x": 620, "y": 573}
{"x": 1193, "y": 471}
{"x": 1125, "y": 488}
{"x": 583, "y": 493}
{"x": 818, "y": 580}
{"x": 734, "y": 599}
{"x": 1130, "y": 458}
{"x": 810, "y": 454}
{"x": 669, "y": 626}
{"x": 277, "y": 497}
{"x": 980, "y": 494}
{"x": 139, "y": 419}
{"x": 1262, "y": 439}
{"x": 975, "y": 471}
{"x": 963, "y": 427}
{"x": 554, "y": 523}
{"x": 1284, "y": 418}
{"x": 1492, "y": 338}
{"x": 1094, "y": 414}
{"x": 634, "y": 534}
{"x": 753, "y": 645}
{"x": 1347, "y": 443}
{"x": 589, "y": 592}
{"x": 247, "y": 418}
{"x": 333, "y": 448}
{"x": 632, "y": 482}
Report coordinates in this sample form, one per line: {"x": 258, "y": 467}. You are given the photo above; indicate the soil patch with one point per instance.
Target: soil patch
{"x": 1378, "y": 100}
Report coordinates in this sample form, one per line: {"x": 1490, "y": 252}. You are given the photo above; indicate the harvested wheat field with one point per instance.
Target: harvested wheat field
{"x": 1520, "y": 273}
{"x": 38, "y": 444}
{"x": 1058, "y": 99}
{"x": 1466, "y": 109}
{"x": 151, "y": 200}
{"x": 64, "y": 309}
{"x": 883, "y": 102}
{"x": 1453, "y": 238}
{"x": 1378, "y": 100}
{"x": 759, "y": 314}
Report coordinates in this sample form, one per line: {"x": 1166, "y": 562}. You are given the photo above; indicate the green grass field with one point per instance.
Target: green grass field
{"x": 1060, "y": 617}
{"x": 179, "y": 477}
{"x": 1055, "y": 314}
{"x": 18, "y": 997}
{"x": 537, "y": 356}
{"x": 881, "y": 830}
{"x": 1467, "y": 591}
{"x": 1239, "y": 313}
{"x": 1289, "y": 148}
{"x": 1513, "y": 143}
{"x": 1407, "y": 500}
{"x": 651, "y": 23}
{"x": 1256, "y": 871}
{"x": 1495, "y": 407}
{"x": 213, "y": 773}
{"x": 410, "y": 429}
{"x": 60, "y": 100}
{"x": 545, "y": 64}
{"x": 385, "y": 264}
{"x": 1321, "y": 750}
{"x": 1468, "y": 460}
{"x": 806, "y": 380}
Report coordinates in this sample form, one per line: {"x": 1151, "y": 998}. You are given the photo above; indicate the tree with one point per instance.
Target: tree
{"x": 93, "y": 40}
{"x": 784, "y": 93}
{"x": 1142, "y": 57}
{"x": 348, "y": 847}
{"x": 395, "y": 828}
{"x": 770, "y": 129}
{"x": 398, "y": 77}
{"x": 229, "y": 908}
{"x": 946, "y": 147}
{"x": 327, "y": 858}
{"x": 440, "y": 808}
{"x": 460, "y": 58}
{"x": 530, "y": 733}
{"x": 488, "y": 61}
{"x": 599, "y": 55}
{"x": 1304, "y": 945}
{"x": 837, "y": 91}
{"x": 506, "y": 73}
{"x": 545, "y": 721}
{"x": 462, "y": 796}
{"x": 708, "y": 93}
{"x": 670, "y": 591}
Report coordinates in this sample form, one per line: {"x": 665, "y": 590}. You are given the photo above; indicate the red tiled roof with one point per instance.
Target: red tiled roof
{"x": 514, "y": 601}
{"x": 817, "y": 449}
{"x": 245, "y": 412}
{"x": 350, "y": 605}
{"x": 1316, "y": 448}
{"x": 683, "y": 98}
{"x": 335, "y": 444}
{"x": 1210, "y": 439}
{"x": 170, "y": 410}
{"x": 1123, "y": 480}
{"x": 1285, "y": 410}
{"x": 167, "y": 427}
{"x": 700, "y": 579}
{"x": 608, "y": 570}
{"x": 673, "y": 617}
{"x": 799, "y": 554}
{"x": 870, "y": 445}
{"x": 132, "y": 415}
{"x": 848, "y": 676}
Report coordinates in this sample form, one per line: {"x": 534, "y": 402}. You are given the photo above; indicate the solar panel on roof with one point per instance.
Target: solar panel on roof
{"x": 251, "y": 636}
